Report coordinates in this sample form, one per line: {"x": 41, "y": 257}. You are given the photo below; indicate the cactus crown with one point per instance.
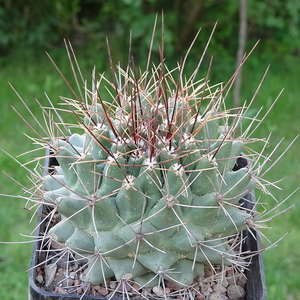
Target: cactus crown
{"x": 147, "y": 184}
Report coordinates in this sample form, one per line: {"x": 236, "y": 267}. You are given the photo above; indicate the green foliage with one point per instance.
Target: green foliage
{"x": 29, "y": 22}
{"x": 43, "y": 24}
{"x": 277, "y": 24}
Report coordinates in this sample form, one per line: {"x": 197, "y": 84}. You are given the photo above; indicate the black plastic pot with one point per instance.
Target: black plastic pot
{"x": 256, "y": 282}
{"x": 255, "y": 286}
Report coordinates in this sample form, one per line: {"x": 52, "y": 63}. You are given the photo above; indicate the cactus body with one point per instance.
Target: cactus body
{"x": 151, "y": 188}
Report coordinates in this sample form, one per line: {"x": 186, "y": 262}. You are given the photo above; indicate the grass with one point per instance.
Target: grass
{"x": 31, "y": 77}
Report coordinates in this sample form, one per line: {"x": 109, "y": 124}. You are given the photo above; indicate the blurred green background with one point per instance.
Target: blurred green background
{"x": 27, "y": 28}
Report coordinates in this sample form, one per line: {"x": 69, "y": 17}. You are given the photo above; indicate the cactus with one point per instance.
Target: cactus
{"x": 149, "y": 185}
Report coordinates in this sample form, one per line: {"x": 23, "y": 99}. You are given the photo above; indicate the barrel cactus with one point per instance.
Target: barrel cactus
{"x": 147, "y": 185}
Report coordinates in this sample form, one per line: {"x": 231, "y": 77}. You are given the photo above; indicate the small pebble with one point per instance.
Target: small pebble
{"x": 217, "y": 296}
{"x": 219, "y": 288}
{"x": 75, "y": 265}
{"x": 224, "y": 282}
{"x": 73, "y": 275}
{"x": 67, "y": 282}
{"x": 242, "y": 280}
{"x": 112, "y": 284}
{"x": 76, "y": 282}
{"x": 82, "y": 277}
{"x": 235, "y": 292}
{"x": 158, "y": 291}
{"x": 39, "y": 278}
{"x": 231, "y": 279}
{"x": 103, "y": 291}
{"x": 50, "y": 271}
{"x": 62, "y": 262}
{"x": 206, "y": 290}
